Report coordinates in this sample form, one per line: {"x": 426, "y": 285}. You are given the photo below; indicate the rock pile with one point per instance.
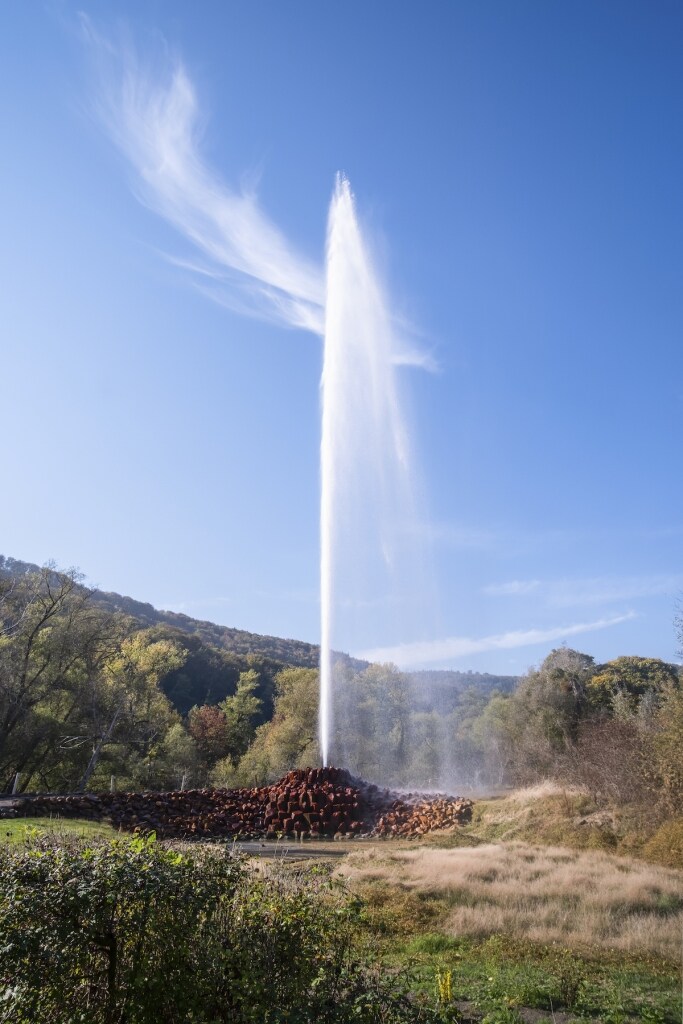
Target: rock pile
{"x": 318, "y": 802}
{"x": 313, "y": 802}
{"x": 206, "y": 813}
{"x": 416, "y": 819}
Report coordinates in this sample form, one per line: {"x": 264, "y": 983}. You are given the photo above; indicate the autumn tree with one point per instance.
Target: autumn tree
{"x": 52, "y": 640}
{"x": 208, "y": 727}
{"x": 627, "y": 682}
{"x": 289, "y": 740}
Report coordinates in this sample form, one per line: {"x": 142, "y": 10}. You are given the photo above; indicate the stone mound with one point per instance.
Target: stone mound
{"x": 313, "y": 802}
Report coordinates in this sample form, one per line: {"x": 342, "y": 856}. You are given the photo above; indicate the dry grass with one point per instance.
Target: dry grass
{"x": 544, "y": 789}
{"x": 553, "y": 815}
{"x": 541, "y": 893}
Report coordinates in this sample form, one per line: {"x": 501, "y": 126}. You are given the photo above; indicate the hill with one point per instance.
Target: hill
{"x": 440, "y": 686}
{"x": 440, "y": 689}
{"x": 235, "y": 641}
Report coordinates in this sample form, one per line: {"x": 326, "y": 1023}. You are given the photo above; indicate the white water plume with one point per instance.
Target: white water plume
{"x": 372, "y": 589}
{"x": 367, "y": 486}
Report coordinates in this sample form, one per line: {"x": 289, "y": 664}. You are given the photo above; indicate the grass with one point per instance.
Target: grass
{"x": 505, "y": 975}
{"x": 544, "y": 894}
{"x": 528, "y": 931}
{"x": 556, "y": 815}
{"x": 17, "y": 830}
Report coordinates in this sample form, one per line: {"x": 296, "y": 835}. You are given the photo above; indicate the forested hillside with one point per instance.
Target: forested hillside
{"x": 91, "y": 693}
{"x": 207, "y": 675}
{"x": 237, "y": 641}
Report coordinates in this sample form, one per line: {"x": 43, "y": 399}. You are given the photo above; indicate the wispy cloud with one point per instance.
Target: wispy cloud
{"x": 153, "y": 117}
{"x": 242, "y": 259}
{"x": 412, "y": 655}
{"x": 564, "y": 593}
{"x": 512, "y": 589}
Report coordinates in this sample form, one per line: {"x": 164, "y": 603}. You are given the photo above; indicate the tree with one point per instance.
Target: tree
{"x": 126, "y": 698}
{"x": 539, "y": 722}
{"x": 206, "y": 676}
{"x": 242, "y": 711}
{"x": 208, "y": 727}
{"x": 51, "y": 640}
{"x": 290, "y": 739}
{"x": 372, "y": 716}
{"x": 178, "y": 759}
{"x": 667, "y": 748}
{"x": 630, "y": 680}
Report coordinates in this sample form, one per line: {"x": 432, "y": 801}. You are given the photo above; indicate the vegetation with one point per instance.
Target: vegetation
{"x": 479, "y": 924}
{"x": 89, "y": 694}
{"x": 90, "y": 697}
{"x": 85, "y": 930}
{"x": 412, "y": 935}
{"x": 547, "y": 895}
{"x": 19, "y": 831}
{"x": 209, "y": 634}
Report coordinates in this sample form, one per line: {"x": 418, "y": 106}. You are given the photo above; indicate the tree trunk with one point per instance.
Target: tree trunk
{"x": 92, "y": 764}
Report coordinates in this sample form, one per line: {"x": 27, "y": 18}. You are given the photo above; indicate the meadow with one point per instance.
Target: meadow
{"x": 449, "y": 928}
{"x": 542, "y": 894}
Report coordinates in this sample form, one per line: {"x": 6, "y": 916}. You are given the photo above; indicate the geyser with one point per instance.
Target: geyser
{"x": 366, "y": 511}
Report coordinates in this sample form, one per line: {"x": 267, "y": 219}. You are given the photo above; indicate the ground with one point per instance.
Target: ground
{"x": 526, "y": 915}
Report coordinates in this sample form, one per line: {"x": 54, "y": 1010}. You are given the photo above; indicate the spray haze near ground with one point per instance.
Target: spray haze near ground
{"x": 375, "y": 587}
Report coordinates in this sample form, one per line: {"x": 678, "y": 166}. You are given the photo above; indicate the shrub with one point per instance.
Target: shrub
{"x": 129, "y": 932}
{"x": 109, "y": 932}
{"x": 666, "y": 845}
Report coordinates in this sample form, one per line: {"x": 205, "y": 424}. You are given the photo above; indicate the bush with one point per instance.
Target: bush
{"x": 107, "y": 933}
{"x": 129, "y": 932}
{"x": 666, "y": 845}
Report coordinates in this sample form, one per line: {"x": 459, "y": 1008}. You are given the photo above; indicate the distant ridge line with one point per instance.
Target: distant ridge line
{"x": 298, "y": 653}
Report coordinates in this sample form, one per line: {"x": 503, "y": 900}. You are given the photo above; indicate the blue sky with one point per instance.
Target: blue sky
{"x": 519, "y": 168}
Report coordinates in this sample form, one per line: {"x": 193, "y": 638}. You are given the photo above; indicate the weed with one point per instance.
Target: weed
{"x": 502, "y": 1015}
{"x": 434, "y": 942}
{"x": 571, "y": 979}
{"x": 666, "y": 845}
{"x": 444, "y": 982}
{"x": 651, "y": 1015}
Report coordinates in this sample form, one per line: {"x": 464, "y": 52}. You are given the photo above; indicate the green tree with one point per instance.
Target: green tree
{"x": 628, "y": 681}
{"x": 290, "y": 739}
{"x": 242, "y": 712}
{"x": 52, "y": 641}
{"x": 373, "y": 713}
{"x": 127, "y": 703}
{"x": 538, "y": 724}
{"x": 178, "y": 759}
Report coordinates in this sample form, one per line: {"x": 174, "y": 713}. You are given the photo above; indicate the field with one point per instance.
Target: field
{"x": 15, "y": 831}
{"x": 547, "y": 895}
{"x": 468, "y": 928}
{"x": 524, "y": 929}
